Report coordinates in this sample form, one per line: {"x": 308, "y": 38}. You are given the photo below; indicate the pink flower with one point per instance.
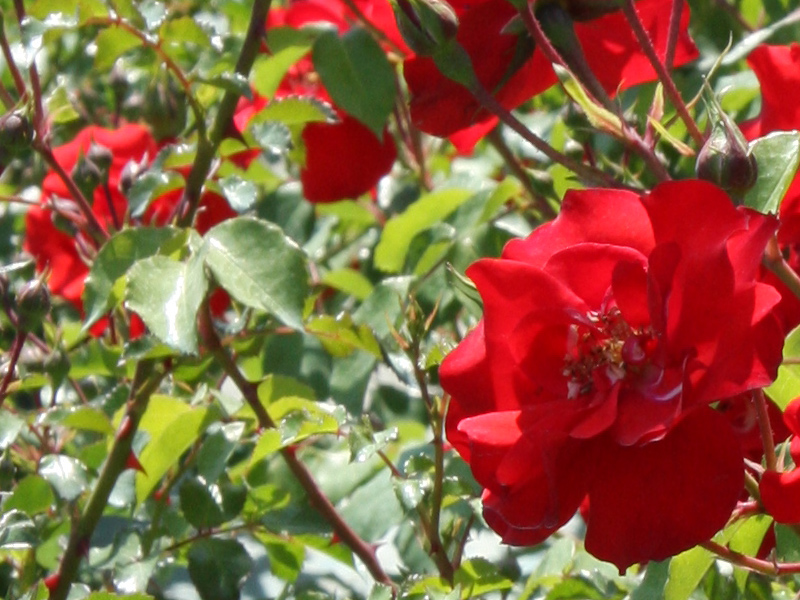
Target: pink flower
{"x": 606, "y": 335}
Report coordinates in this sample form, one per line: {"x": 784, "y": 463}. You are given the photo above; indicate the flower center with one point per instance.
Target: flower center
{"x": 603, "y": 349}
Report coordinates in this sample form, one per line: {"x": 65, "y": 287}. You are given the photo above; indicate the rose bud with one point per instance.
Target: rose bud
{"x": 426, "y": 25}
{"x": 16, "y": 133}
{"x": 33, "y": 304}
{"x": 165, "y": 109}
{"x": 725, "y": 158}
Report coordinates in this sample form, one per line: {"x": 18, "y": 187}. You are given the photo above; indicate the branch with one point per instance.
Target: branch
{"x": 318, "y": 500}
{"x": 207, "y": 146}
{"x": 145, "y": 381}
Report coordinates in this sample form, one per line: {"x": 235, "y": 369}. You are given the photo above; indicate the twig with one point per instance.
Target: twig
{"x": 146, "y": 380}
{"x": 629, "y": 8}
{"x": 764, "y": 426}
{"x": 207, "y": 146}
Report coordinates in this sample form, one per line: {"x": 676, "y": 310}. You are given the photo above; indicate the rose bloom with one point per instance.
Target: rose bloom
{"x": 58, "y": 251}
{"x": 344, "y": 159}
{"x": 505, "y": 63}
{"x": 778, "y": 72}
{"x": 606, "y": 335}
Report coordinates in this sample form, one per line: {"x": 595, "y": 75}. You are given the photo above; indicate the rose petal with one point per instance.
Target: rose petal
{"x": 657, "y": 500}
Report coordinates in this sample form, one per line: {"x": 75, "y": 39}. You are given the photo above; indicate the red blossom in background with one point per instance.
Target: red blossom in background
{"x": 57, "y": 250}
{"x": 780, "y": 491}
{"x": 443, "y": 107}
{"x": 778, "y": 72}
{"x": 361, "y": 158}
{"x": 606, "y": 335}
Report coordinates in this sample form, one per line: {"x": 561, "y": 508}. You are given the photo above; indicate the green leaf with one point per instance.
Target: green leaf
{"x": 17, "y": 531}
{"x": 747, "y": 540}
{"x": 240, "y": 193}
{"x": 686, "y": 571}
{"x": 112, "y": 43}
{"x": 298, "y": 419}
{"x": 259, "y": 266}
{"x": 478, "y": 576}
{"x": 787, "y": 386}
{"x": 67, "y": 475}
{"x": 287, "y": 45}
{"x": 59, "y": 106}
{"x": 390, "y": 253}
{"x": 88, "y": 419}
{"x": 167, "y": 294}
{"x": 33, "y": 495}
{"x": 113, "y": 261}
{"x": 341, "y": 337}
{"x": 111, "y": 596}
{"x": 285, "y": 557}
{"x": 778, "y": 156}
{"x": 150, "y": 185}
{"x": 173, "y": 427}
{"x": 349, "y": 281}
{"x": 294, "y": 111}
{"x": 199, "y": 506}
{"x": 218, "y": 567}
{"x": 183, "y": 30}
{"x": 10, "y": 427}
{"x": 357, "y": 75}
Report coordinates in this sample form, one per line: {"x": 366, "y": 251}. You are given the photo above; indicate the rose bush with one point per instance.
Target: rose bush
{"x": 606, "y": 335}
{"x": 363, "y": 157}
{"x": 67, "y": 255}
{"x": 507, "y": 64}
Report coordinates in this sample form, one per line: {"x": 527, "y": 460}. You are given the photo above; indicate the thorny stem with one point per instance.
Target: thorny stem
{"x": 437, "y": 423}
{"x": 33, "y": 73}
{"x": 96, "y": 230}
{"x": 576, "y": 63}
{"x": 764, "y": 426}
{"x": 585, "y": 172}
{"x": 629, "y": 8}
{"x": 749, "y": 562}
{"x": 495, "y": 138}
{"x": 207, "y": 146}
{"x": 145, "y": 382}
{"x": 19, "y": 82}
{"x": 317, "y": 499}
{"x": 16, "y": 349}
{"x": 672, "y": 32}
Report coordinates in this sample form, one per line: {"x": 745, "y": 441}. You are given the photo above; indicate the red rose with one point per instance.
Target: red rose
{"x": 60, "y": 251}
{"x": 780, "y": 491}
{"x": 344, "y": 159}
{"x": 606, "y": 335}
{"x": 442, "y": 107}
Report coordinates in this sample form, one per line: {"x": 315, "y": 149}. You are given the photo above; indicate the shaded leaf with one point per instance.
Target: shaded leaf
{"x": 218, "y": 567}
{"x": 357, "y": 75}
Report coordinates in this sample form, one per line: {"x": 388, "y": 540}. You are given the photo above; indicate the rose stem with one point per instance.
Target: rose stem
{"x": 646, "y": 44}
{"x": 207, "y": 146}
{"x": 145, "y": 382}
